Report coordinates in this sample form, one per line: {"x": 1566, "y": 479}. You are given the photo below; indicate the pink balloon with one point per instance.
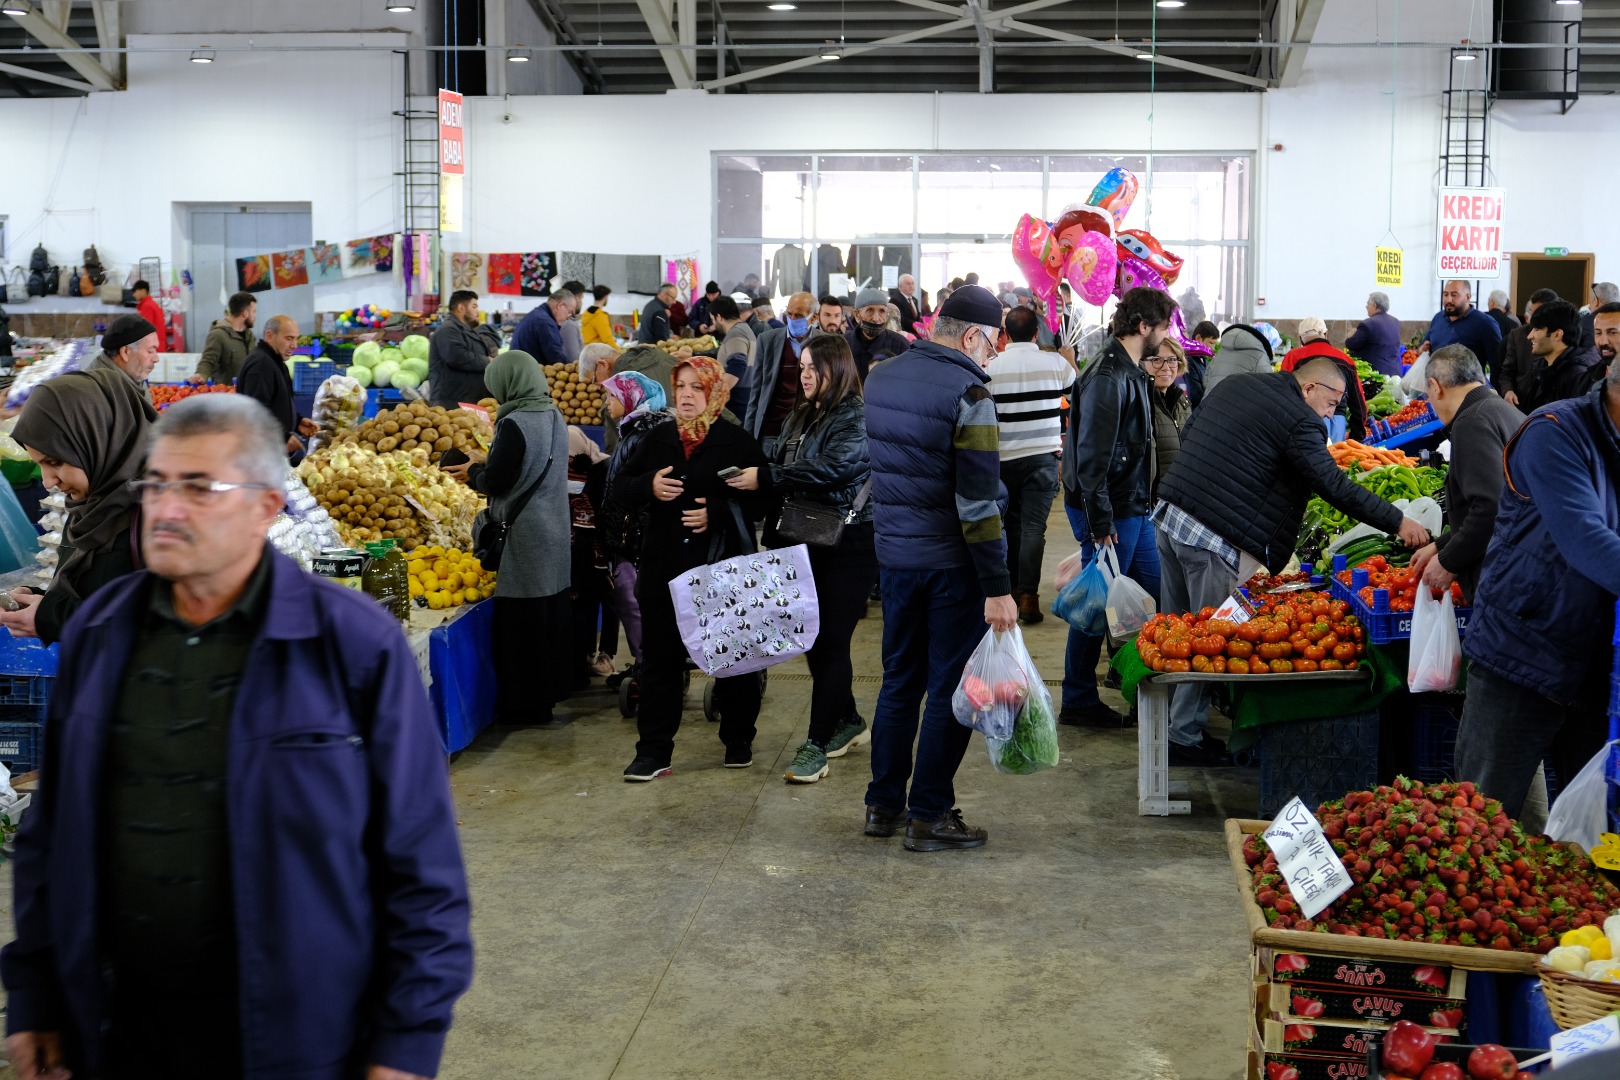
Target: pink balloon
{"x": 1189, "y": 344}
{"x": 1091, "y": 267}
{"x": 1135, "y": 273}
{"x": 1031, "y": 241}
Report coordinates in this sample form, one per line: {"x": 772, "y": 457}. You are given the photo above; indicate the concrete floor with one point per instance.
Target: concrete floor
{"x": 724, "y": 924}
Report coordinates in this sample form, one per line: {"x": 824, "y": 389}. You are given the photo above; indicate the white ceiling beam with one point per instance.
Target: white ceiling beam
{"x": 110, "y": 34}
{"x": 57, "y": 12}
{"x": 46, "y": 77}
{"x": 656, "y": 13}
{"x": 987, "y": 47}
{"x": 1299, "y": 18}
{"x": 851, "y": 50}
{"x": 71, "y": 52}
{"x": 1161, "y": 59}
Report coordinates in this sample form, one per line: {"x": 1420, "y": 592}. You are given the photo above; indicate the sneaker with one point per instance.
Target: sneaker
{"x": 809, "y": 765}
{"x": 1097, "y": 716}
{"x": 602, "y": 664}
{"x": 850, "y": 734}
{"x": 881, "y": 822}
{"x": 618, "y": 677}
{"x": 645, "y": 768}
{"x": 949, "y": 831}
{"x": 739, "y": 757}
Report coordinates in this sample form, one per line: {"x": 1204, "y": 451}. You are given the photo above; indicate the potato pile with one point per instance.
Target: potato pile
{"x": 396, "y": 495}
{"x": 690, "y": 345}
{"x": 418, "y": 425}
{"x": 579, "y": 401}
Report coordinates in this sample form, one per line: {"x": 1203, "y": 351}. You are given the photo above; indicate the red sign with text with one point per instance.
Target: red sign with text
{"x": 452, "y": 140}
{"x": 1470, "y": 237}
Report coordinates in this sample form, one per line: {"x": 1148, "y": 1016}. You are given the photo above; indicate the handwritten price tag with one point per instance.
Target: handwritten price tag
{"x": 1307, "y": 860}
{"x": 1578, "y": 1042}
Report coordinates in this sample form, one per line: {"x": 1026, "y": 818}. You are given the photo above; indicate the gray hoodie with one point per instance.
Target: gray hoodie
{"x": 1243, "y": 351}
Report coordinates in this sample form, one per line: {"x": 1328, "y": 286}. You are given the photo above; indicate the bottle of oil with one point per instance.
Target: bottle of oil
{"x": 387, "y": 578}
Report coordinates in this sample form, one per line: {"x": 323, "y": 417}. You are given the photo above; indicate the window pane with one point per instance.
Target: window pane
{"x": 992, "y": 261}
{"x": 1219, "y": 276}
{"x": 976, "y": 195}
{"x": 764, "y": 196}
{"x": 862, "y": 261}
{"x": 1072, "y": 179}
{"x": 864, "y": 196}
{"x": 1198, "y": 198}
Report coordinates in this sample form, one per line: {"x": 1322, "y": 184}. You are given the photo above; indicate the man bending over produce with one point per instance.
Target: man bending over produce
{"x": 1250, "y": 459}
{"x": 1539, "y": 643}
{"x": 1479, "y": 425}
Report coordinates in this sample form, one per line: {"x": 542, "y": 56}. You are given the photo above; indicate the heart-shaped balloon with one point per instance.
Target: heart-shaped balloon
{"x": 1091, "y": 268}
{"x": 1031, "y": 242}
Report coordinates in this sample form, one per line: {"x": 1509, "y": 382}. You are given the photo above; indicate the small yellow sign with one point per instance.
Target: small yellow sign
{"x": 451, "y": 202}
{"x": 1389, "y": 266}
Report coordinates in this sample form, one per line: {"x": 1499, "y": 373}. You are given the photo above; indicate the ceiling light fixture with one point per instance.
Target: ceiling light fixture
{"x": 782, "y": 7}
{"x": 1468, "y": 52}
{"x": 204, "y": 55}
{"x": 1172, "y": 3}
{"x": 1144, "y": 56}
{"x": 14, "y": 7}
{"x": 1566, "y": 3}
{"x": 519, "y": 55}
{"x": 401, "y": 7}
{"x": 831, "y": 52}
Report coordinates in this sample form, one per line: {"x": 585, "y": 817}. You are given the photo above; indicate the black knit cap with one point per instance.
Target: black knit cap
{"x": 973, "y": 304}
{"x": 125, "y": 330}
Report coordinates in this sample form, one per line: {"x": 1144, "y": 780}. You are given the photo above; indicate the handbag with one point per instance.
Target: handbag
{"x": 747, "y": 612}
{"x": 806, "y": 522}
{"x": 489, "y": 531}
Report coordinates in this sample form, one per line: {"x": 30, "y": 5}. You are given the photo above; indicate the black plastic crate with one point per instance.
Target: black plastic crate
{"x": 1317, "y": 760}
{"x": 21, "y": 744}
{"x": 1435, "y": 720}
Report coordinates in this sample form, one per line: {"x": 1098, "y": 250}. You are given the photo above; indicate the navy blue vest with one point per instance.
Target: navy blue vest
{"x": 911, "y": 402}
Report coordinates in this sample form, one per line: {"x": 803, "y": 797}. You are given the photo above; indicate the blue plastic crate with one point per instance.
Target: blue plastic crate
{"x": 1383, "y": 626}
{"x": 26, "y": 656}
{"x": 1317, "y": 760}
{"x": 21, "y": 744}
{"x": 309, "y": 374}
{"x": 1435, "y": 719}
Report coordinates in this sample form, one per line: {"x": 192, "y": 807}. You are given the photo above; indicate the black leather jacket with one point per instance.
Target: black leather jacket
{"x": 1108, "y": 463}
{"x": 829, "y": 462}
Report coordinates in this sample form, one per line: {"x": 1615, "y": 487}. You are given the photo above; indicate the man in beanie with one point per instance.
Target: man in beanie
{"x": 870, "y": 339}
{"x": 130, "y": 345}
{"x": 937, "y": 499}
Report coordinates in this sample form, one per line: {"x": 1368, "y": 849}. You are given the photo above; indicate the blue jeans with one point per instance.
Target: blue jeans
{"x": 1138, "y": 560}
{"x": 932, "y": 622}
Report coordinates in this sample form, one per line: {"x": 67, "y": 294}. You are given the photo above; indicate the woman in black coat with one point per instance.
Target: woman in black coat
{"x": 822, "y": 457}
{"x": 674, "y": 473}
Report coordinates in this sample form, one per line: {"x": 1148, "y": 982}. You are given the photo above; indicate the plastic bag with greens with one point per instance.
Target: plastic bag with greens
{"x": 1033, "y": 745}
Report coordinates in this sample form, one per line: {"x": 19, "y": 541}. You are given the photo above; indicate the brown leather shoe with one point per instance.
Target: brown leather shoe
{"x": 881, "y": 822}
{"x": 1029, "y": 608}
{"x": 949, "y": 831}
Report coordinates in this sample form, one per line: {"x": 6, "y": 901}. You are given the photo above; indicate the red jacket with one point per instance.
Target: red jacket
{"x": 1355, "y": 398}
{"x": 152, "y": 312}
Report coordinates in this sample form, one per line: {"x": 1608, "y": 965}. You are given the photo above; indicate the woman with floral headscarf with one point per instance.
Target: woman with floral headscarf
{"x": 673, "y": 474}
{"x": 637, "y": 404}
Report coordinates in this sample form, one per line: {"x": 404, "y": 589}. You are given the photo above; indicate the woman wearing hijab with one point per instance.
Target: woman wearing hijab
{"x": 822, "y": 457}
{"x": 672, "y": 473}
{"x": 533, "y": 635}
{"x": 87, "y": 430}
{"x": 637, "y": 405}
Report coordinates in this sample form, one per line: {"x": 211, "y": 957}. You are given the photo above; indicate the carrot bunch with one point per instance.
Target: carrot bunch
{"x": 1368, "y": 456}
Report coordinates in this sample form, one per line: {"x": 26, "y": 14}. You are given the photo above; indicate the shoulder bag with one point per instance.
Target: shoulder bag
{"x": 489, "y": 531}
{"x": 805, "y": 521}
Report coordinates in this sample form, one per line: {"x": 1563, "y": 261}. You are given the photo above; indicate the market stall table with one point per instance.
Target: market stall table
{"x": 455, "y": 659}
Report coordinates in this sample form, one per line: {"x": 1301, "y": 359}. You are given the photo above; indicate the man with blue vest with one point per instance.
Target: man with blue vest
{"x": 937, "y": 499}
{"x": 1539, "y": 642}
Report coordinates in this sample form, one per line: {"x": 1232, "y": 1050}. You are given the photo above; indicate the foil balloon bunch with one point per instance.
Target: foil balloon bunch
{"x": 1089, "y": 247}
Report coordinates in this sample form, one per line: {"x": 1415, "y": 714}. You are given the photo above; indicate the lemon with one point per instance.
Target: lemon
{"x": 1601, "y": 949}
{"x": 416, "y": 588}
{"x": 435, "y": 600}
{"x": 1585, "y": 935}
{"x": 453, "y": 553}
{"x": 416, "y": 566}
{"x": 441, "y": 567}
{"x": 471, "y": 596}
{"x": 454, "y": 598}
{"x": 430, "y": 580}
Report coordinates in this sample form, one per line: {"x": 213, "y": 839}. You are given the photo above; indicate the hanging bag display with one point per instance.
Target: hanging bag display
{"x": 805, "y": 521}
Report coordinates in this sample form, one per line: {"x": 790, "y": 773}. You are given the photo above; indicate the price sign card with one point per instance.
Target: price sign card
{"x": 1307, "y": 860}
{"x": 1578, "y": 1042}
{"x": 1235, "y": 609}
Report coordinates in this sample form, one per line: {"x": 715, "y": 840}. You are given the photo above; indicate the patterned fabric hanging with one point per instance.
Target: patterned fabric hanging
{"x": 466, "y": 271}
{"x": 538, "y": 268}
{"x": 683, "y": 274}
{"x": 503, "y": 274}
{"x": 577, "y": 266}
{"x": 325, "y": 263}
{"x": 290, "y": 269}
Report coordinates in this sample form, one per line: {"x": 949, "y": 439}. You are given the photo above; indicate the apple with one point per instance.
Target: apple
{"x": 1492, "y": 1062}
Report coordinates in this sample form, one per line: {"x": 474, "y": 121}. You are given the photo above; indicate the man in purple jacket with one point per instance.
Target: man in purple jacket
{"x": 242, "y": 864}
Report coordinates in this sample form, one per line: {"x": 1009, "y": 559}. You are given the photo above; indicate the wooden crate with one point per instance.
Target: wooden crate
{"x": 1469, "y": 958}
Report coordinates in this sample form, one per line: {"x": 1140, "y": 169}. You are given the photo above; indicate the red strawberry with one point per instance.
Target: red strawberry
{"x": 1308, "y": 1007}
{"x": 1299, "y": 1033}
{"x": 1446, "y": 1018}
{"x": 1281, "y": 1070}
{"x": 1432, "y": 976}
{"x": 1291, "y": 962}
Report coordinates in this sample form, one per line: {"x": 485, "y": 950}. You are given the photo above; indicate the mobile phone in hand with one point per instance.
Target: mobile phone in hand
{"x": 727, "y": 474}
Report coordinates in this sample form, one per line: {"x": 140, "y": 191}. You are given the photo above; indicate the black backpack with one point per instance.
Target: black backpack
{"x": 39, "y": 261}
{"x": 72, "y": 287}
{"x": 93, "y": 267}
{"x": 36, "y": 282}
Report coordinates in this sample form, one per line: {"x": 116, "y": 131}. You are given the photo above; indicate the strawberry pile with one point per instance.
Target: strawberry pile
{"x": 1443, "y": 864}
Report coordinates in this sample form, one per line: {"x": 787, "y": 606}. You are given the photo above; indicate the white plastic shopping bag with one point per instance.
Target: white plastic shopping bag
{"x": 1436, "y": 654}
{"x": 1129, "y": 605}
{"x": 1580, "y": 813}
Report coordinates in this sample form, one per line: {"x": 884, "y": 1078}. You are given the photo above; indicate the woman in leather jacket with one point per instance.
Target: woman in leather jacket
{"x": 821, "y": 457}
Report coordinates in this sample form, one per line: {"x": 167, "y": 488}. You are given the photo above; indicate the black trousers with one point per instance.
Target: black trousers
{"x": 663, "y": 667}
{"x": 532, "y": 655}
{"x": 844, "y": 579}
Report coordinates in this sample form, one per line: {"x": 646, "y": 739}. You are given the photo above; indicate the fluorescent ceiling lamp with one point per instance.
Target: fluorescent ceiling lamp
{"x": 517, "y": 56}
{"x": 1566, "y": 3}
{"x": 782, "y": 7}
{"x": 1468, "y": 52}
{"x": 204, "y": 55}
{"x": 1172, "y": 3}
{"x": 401, "y": 7}
{"x": 1144, "y": 56}
{"x": 14, "y": 7}
{"x": 832, "y": 51}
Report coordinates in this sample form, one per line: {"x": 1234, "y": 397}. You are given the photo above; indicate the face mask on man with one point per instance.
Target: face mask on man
{"x": 798, "y": 327}
{"x": 871, "y": 329}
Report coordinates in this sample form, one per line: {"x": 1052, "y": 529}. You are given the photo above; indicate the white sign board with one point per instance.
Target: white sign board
{"x": 1307, "y": 860}
{"x": 1469, "y": 243}
{"x": 838, "y": 284}
{"x": 1594, "y": 1038}
{"x": 891, "y": 277}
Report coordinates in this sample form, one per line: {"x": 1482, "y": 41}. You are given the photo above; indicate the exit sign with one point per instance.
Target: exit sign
{"x": 1555, "y": 252}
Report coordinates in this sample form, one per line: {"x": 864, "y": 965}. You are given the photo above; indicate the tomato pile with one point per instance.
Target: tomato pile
{"x": 1302, "y": 631}
{"x": 1401, "y": 582}
{"x": 164, "y": 395}
{"x": 1414, "y": 411}
{"x": 1443, "y": 864}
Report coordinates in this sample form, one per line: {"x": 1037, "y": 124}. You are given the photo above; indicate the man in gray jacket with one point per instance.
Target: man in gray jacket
{"x": 229, "y": 341}
{"x": 458, "y": 353}
{"x": 775, "y": 373}
{"x": 1244, "y": 350}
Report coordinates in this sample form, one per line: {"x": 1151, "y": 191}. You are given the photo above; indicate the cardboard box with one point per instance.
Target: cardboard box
{"x": 1321, "y": 969}
{"x": 1309, "y": 1067}
{"x": 1291, "y": 1002}
{"x": 1327, "y": 1038}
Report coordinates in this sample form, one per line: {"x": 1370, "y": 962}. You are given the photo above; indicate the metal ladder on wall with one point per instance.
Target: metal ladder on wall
{"x": 1465, "y": 127}
{"x": 419, "y": 120}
